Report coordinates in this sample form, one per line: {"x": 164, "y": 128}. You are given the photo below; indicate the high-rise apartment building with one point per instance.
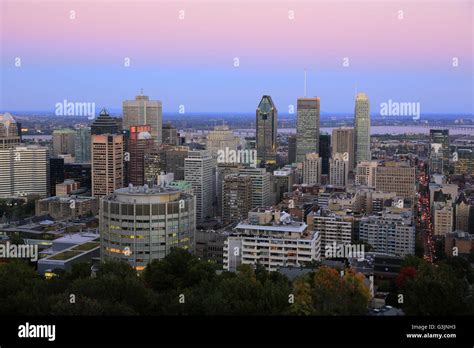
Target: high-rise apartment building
{"x": 140, "y": 142}
{"x": 338, "y": 169}
{"x": 198, "y": 170}
{"x": 362, "y": 128}
{"x": 271, "y": 238}
{"x": 143, "y": 111}
{"x": 236, "y": 197}
{"x": 342, "y": 141}
{"x": 324, "y": 152}
{"x": 397, "y": 177}
{"x": 392, "y": 233}
{"x": 107, "y": 164}
{"x": 307, "y": 127}
{"x": 291, "y": 149}
{"x": 64, "y": 142}
{"x": 82, "y": 145}
{"x": 312, "y": 169}
{"x": 266, "y": 130}
{"x": 331, "y": 226}
{"x": 365, "y": 173}
{"x": 439, "y": 151}
{"x": 261, "y": 186}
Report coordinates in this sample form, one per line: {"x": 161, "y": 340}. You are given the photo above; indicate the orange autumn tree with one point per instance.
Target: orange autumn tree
{"x": 336, "y": 295}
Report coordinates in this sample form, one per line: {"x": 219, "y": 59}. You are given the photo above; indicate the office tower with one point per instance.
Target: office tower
{"x": 331, "y": 226}
{"x": 283, "y": 181}
{"x": 140, "y": 142}
{"x": 107, "y": 164}
{"x": 169, "y": 134}
{"x": 162, "y": 218}
{"x": 339, "y": 170}
{"x": 439, "y": 151}
{"x": 83, "y": 145}
{"x": 236, "y": 197}
{"x": 221, "y": 138}
{"x": 266, "y": 132}
{"x": 365, "y": 173}
{"x": 104, "y": 124}
{"x": 261, "y": 186}
{"x": 174, "y": 160}
{"x": 396, "y": 177}
{"x": 391, "y": 233}
{"x": 464, "y": 165}
{"x": 198, "y": 171}
{"x": 272, "y": 239}
{"x": 312, "y": 168}
{"x": 307, "y": 127}
{"x": 463, "y": 212}
{"x": 222, "y": 170}
{"x": 362, "y": 128}
{"x": 56, "y": 173}
{"x": 24, "y": 170}
{"x": 9, "y": 131}
{"x": 292, "y": 149}
{"x": 342, "y": 141}
{"x": 324, "y": 152}
{"x": 64, "y": 142}
{"x": 142, "y": 111}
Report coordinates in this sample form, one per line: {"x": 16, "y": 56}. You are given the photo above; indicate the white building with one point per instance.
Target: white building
{"x": 24, "y": 170}
{"x": 312, "y": 167}
{"x": 331, "y": 226}
{"x": 338, "y": 169}
{"x": 365, "y": 173}
{"x": 198, "y": 170}
{"x": 271, "y": 238}
{"x": 392, "y": 232}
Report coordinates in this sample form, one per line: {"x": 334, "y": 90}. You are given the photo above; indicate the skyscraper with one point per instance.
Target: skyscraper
{"x": 307, "y": 127}
{"x": 439, "y": 151}
{"x": 24, "y": 170}
{"x": 107, "y": 163}
{"x": 142, "y": 111}
{"x": 104, "y": 124}
{"x": 312, "y": 168}
{"x": 198, "y": 170}
{"x": 339, "y": 170}
{"x": 342, "y": 141}
{"x": 9, "y": 131}
{"x": 236, "y": 197}
{"x": 64, "y": 142}
{"x": 261, "y": 186}
{"x": 82, "y": 145}
{"x": 324, "y": 152}
{"x": 362, "y": 128}
{"x": 266, "y": 132}
{"x": 140, "y": 142}
{"x": 292, "y": 149}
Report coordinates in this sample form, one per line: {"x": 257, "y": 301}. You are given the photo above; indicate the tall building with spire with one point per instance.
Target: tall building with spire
{"x": 143, "y": 111}
{"x": 266, "y": 131}
{"x": 362, "y": 128}
{"x": 104, "y": 124}
{"x": 307, "y": 127}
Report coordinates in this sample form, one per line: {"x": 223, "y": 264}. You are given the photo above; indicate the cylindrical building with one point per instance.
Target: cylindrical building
{"x": 140, "y": 224}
